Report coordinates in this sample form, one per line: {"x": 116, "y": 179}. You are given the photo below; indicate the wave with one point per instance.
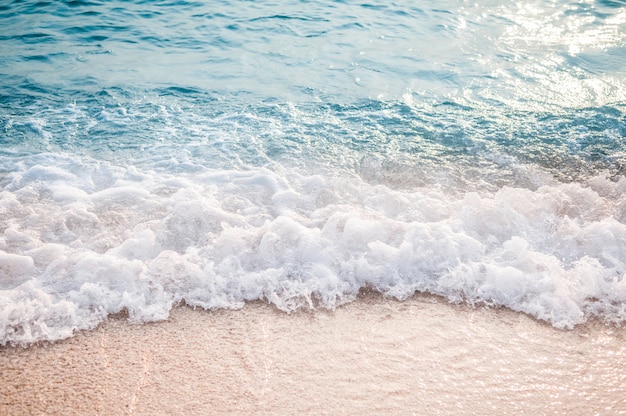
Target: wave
{"x": 83, "y": 239}
{"x": 174, "y": 154}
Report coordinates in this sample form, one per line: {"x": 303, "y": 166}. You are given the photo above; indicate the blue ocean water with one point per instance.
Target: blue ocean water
{"x": 296, "y": 152}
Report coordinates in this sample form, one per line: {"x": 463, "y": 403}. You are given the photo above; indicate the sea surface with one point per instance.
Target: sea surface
{"x": 154, "y": 153}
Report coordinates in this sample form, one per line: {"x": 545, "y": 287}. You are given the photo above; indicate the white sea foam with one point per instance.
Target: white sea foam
{"x": 82, "y": 239}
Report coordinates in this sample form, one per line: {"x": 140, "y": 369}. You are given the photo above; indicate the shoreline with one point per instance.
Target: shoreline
{"x": 372, "y": 356}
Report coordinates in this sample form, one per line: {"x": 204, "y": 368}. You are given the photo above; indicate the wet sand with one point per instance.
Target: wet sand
{"x": 374, "y": 356}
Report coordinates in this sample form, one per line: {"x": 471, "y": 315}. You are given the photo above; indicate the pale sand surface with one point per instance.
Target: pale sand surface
{"x": 374, "y": 356}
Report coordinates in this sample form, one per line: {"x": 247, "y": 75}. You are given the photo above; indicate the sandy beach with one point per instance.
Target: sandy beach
{"x": 373, "y": 356}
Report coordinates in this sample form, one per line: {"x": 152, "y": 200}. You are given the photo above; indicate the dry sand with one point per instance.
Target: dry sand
{"x": 374, "y": 356}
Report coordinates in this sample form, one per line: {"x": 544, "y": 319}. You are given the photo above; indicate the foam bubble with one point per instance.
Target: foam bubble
{"x": 76, "y": 248}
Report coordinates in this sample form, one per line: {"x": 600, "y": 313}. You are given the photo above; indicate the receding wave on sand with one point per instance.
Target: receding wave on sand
{"x": 372, "y": 356}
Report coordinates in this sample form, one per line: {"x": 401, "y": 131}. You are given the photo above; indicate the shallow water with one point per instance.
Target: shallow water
{"x": 220, "y": 152}
{"x": 372, "y": 356}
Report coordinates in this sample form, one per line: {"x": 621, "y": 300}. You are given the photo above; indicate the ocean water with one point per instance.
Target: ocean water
{"x": 154, "y": 153}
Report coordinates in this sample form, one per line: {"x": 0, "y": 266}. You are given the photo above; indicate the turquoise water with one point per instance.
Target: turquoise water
{"x": 213, "y": 153}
